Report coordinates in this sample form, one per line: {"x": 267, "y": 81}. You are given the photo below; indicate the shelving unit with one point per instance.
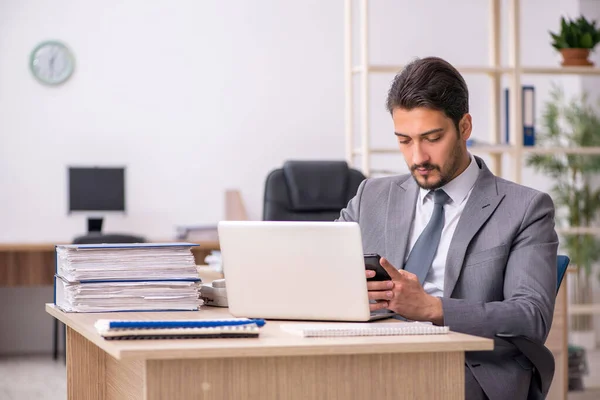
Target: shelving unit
{"x": 495, "y": 71}
{"x": 497, "y": 151}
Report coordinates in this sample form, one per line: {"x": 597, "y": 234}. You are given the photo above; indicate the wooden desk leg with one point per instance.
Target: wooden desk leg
{"x": 371, "y": 376}
{"x": 85, "y": 368}
{"x": 94, "y": 375}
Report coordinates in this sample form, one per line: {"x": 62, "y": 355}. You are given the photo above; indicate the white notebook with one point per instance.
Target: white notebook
{"x": 364, "y": 329}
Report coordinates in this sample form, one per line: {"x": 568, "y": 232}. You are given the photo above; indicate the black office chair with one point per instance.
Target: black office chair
{"x": 539, "y": 355}
{"x": 92, "y": 238}
{"x": 309, "y": 190}
{"x": 99, "y": 238}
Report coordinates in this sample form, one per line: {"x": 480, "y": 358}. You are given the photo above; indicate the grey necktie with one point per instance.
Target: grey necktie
{"x": 423, "y": 252}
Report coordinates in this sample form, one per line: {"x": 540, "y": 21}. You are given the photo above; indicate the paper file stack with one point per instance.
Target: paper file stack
{"x": 126, "y": 277}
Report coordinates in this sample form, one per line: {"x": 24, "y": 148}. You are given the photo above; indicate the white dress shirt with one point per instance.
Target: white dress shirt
{"x": 459, "y": 190}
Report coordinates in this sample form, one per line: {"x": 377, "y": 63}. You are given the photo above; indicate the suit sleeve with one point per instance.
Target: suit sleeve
{"x": 351, "y": 212}
{"x": 529, "y": 284}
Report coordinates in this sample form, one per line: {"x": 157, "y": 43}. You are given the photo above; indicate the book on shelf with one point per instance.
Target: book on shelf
{"x": 527, "y": 115}
{"x": 126, "y": 277}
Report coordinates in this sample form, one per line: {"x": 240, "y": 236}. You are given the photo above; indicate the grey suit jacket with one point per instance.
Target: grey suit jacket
{"x": 500, "y": 271}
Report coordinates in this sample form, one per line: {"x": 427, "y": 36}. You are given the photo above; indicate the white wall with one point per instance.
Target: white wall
{"x": 194, "y": 97}
{"x": 197, "y": 97}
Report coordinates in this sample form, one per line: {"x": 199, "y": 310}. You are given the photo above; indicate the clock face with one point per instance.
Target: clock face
{"x": 52, "y": 63}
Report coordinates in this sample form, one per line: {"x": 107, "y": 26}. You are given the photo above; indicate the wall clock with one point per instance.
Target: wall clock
{"x": 52, "y": 63}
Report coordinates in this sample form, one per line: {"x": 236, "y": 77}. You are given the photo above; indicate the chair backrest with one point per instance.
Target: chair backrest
{"x": 562, "y": 262}
{"x": 99, "y": 238}
{"x": 309, "y": 190}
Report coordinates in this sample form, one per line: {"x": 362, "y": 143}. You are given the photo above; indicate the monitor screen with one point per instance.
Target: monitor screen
{"x": 96, "y": 189}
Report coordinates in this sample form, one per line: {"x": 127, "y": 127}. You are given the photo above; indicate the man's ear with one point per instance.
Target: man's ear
{"x": 465, "y": 126}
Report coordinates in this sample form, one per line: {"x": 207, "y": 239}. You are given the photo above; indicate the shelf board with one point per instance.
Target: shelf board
{"x": 582, "y": 230}
{"x": 491, "y": 70}
{"x": 561, "y": 150}
{"x": 561, "y": 70}
{"x": 504, "y": 148}
{"x": 491, "y": 148}
{"x": 497, "y": 149}
{"x": 393, "y": 69}
{"x": 583, "y": 309}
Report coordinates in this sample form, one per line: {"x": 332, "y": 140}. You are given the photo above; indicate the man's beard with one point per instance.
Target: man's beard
{"x": 444, "y": 176}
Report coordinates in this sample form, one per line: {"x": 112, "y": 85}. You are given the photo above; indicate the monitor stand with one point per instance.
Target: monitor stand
{"x": 94, "y": 225}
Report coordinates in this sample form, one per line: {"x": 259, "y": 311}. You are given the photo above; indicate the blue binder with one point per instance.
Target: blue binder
{"x": 527, "y": 115}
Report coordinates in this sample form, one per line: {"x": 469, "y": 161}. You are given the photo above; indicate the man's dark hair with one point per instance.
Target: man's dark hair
{"x": 432, "y": 83}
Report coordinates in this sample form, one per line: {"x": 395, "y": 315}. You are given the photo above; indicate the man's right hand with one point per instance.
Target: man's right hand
{"x": 380, "y": 291}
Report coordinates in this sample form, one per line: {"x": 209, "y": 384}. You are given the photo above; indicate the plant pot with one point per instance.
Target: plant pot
{"x": 576, "y": 57}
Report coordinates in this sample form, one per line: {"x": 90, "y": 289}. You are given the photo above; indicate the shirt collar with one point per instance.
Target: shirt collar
{"x": 458, "y": 188}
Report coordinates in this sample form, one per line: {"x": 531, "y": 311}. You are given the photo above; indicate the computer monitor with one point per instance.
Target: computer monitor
{"x": 96, "y": 190}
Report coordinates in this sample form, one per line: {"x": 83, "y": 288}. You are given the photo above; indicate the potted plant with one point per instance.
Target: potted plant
{"x": 574, "y": 123}
{"x": 575, "y": 40}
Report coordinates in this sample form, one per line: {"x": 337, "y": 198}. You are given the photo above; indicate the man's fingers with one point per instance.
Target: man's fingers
{"x": 380, "y": 305}
{"x": 380, "y": 285}
{"x": 407, "y": 275}
{"x": 396, "y": 274}
{"x": 381, "y": 295}
{"x": 391, "y": 270}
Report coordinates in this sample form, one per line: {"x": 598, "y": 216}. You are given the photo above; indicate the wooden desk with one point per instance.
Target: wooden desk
{"x": 33, "y": 264}
{"x": 277, "y": 365}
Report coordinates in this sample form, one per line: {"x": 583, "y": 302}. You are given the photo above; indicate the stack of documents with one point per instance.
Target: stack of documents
{"x": 126, "y": 277}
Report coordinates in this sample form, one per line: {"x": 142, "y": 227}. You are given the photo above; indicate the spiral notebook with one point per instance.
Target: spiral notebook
{"x": 179, "y": 329}
{"x": 364, "y": 329}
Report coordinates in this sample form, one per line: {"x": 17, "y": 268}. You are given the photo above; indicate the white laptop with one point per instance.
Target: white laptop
{"x": 295, "y": 270}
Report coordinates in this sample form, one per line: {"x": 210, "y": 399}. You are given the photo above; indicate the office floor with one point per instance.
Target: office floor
{"x": 41, "y": 378}
{"x": 33, "y": 377}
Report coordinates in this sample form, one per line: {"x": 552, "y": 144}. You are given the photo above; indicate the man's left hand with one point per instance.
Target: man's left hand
{"x": 408, "y": 297}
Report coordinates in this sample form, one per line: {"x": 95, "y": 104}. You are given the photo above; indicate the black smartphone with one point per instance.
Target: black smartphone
{"x": 372, "y": 263}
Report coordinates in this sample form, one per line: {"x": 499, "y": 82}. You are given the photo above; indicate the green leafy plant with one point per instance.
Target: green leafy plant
{"x": 573, "y": 123}
{"x": 576, "y": 34}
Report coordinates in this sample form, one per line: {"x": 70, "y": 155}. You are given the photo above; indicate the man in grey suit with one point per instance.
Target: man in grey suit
{"x": 463, "y": 247}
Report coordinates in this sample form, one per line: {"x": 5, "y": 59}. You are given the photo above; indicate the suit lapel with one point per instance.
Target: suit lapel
{"x": 400, "y": 214}
{"x": 481, "y": 205}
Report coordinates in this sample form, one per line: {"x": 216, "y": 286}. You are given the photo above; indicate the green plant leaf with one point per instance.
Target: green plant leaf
{"x": 586, "y": 41}
{"x": 578, "y": 33}
{"x": 563, "y": 24}
{"x": 572, "y": 123}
